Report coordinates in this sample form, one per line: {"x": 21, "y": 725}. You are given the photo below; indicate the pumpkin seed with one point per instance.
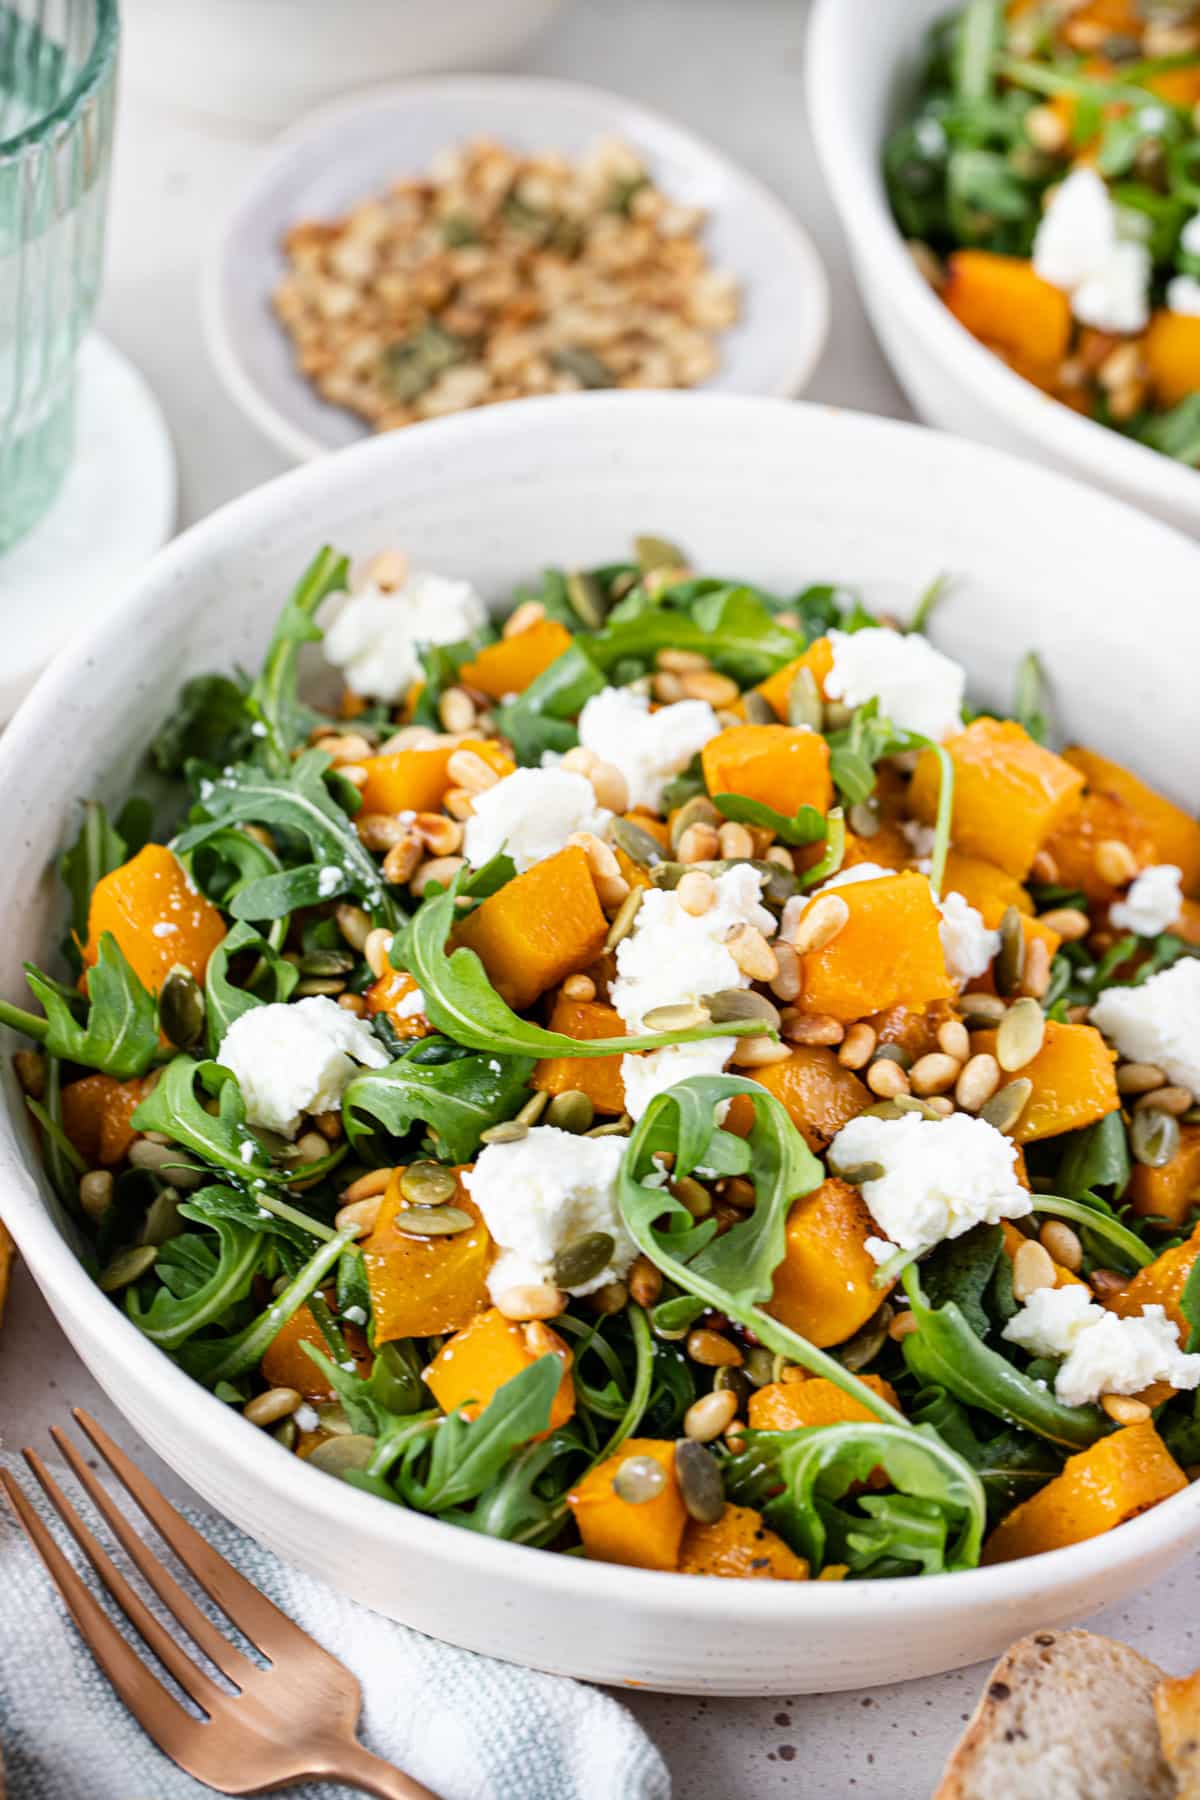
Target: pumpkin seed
{"x": 1010, "y": 958}
{"x": 572, "y": 1111}
{"x": 862, "y": 1349}
{"x": 127, "y": 1266}
{"x": 510, "y": 1132}
{"x": 731, "y": 1005}
{"x": 313, "y": 985}
{"x": 805, "y": 706}
{"x": 676, "y": 1017}
{"x": 885, "y": 1109}
{"x": 583, "y": 1260}
{"x": 332, "y": 1419}
{"x": 432, "y": 1221}
{"x": 758, "y": 1368}
{"x": 285, "y": 1433}
{"x": 587, "y": 601}
{"x": 612, "y": 1128}
{"x": 1154, "y": 1137}
{"x": 737, "y": 1381}
{"x": 585, "y": 366}
{"x": 636, "y": 843}
{"x": 981, "y": 1011}
{"x": 1007, "y": 1104}
{"x": 837, "y": 715}
{"x": 623, "y": 918}
{"x": 699, "y": 810}
{"x": 758, "y": 708}
{"x": 639, "y": 1479}
{"x": 864, "y": 818}
{"x": 326, "y": 962}
{"x": 893, "y": 1053}
{"x": 162, "y": 1219}
{"x": 912, "y": 1103}
{"x": 658, "y": 553}
{"x": 427, "y": 1184}
{"x": 857, "y": 1173}
{"x": 533, "y": 1109}
{"x": 1021, "y": 1034}
{"x": 181, "y": 1009}
{"x": 168, "y": 1161}
{"x": 699, "y": 1479}
{"x": 342, "y": 1455}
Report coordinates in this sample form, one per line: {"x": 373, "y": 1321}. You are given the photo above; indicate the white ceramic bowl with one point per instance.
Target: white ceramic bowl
{"x": 787, "y": 494}
{"x": 854, "y": 96}
{"x": 349, "y": 151}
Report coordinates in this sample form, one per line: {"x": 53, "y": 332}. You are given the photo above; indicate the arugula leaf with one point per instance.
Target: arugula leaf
{"x": 807, "y": 826}
{"x": 273, "y": 701}
{"x": 1012, "y": 1465}
{"x": 457, "y": 1099}
{"x": 1176, "y": 432}
{"x": 731, "y": 626}
{"x": 223, "y": 1001}
{"x": 542, "y": 717}
{"x": 961, "y": 1269}
{"x": 462, "y": 1003}
{"x": 210, "y": 722}
{"x": 170, "y": 1320}
{"x": 121, "y": 1034}
{"x": 226, "y": 1359}
{"x": 1096, "y": 1157}
{"x": 275, "y": 896}
{"x": 1094, "y": 1216}
{"x": 1031, "y": 703}
{"x": 223, "y": 1141}
{"x": 526, "y": 1502}
{"x": 466, "y": 1455}
{"x": 100, "y": 848}
{"x": 265, "y": 1214}
{"x": 371, "y": 1403}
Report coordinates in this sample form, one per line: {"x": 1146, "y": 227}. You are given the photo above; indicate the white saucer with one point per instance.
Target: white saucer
{"x": 357, "y": 147}
{"x": 115, "y": 509}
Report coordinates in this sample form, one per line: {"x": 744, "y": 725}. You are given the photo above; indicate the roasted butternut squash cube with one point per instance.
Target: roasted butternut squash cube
{"x": 776, "y": 690}
{"x": 778, "y": 765}
{"x": 739, "y": 1547}
{"x": 538, "y": 928}
{"x": 888, "y": 847}
{"x": 1101, "y": 817}
{"x": 1002, "y": 301}
{"x": 416, "y": 780}
{"x": 1009, "y": 792}
{"x": 888, "y": 953}
{"x": 512, "y": 663}
{"x": 1109, "y": 1482}
{"x": 795, "y": 1405}
{"x": 819, "y": 1095}
{"x": 1160, "y": 1283}
{"x": 599, "y": 1077}
{"x": 478, "y": 1360}
{"x": 96, "y": 1116}
{"x": 646, "y": 1535}
{"x": 392, "y": 994}
{"x": 1174, "y": 833}
{"x": 420, "y": 1286}
{"x": 914, "y": 1031}
{"x": 1073, "y": 1081}
{"x": 157, "y": 917}
{"x": 1171, "y": 352}
{"x": 825, "y": 1286}
{"x": 1172, "y": 1192}
{"x": 286, "y": 1364}
{"x": 984, "y": 885}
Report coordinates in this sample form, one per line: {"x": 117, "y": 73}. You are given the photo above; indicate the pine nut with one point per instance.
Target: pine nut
{"x": 579, "y": 987}
{"x": 458, "y": 803}
{"x": 752, "y": 953}
{"x": 735, "y": 842}
{"x": 377, "y": 949}
{"x": 1173, "y": 1100}
{"x": 353, "y": 923}
{"x": 602, "y": 859}
{"x": 1105, "y": 1283}
{"x": 609, "y": 786}
{"x": 978, "y": 1082}
{"x": 954, "y": 1039}
{"x": 1114, "y": 862}
{"x": 935, "y": 1073}
{"x": 706, "y": 1418}
{"x": 523, "y": 618}
{"x": 402, "y": 862}
{"x": 820, "y": 923}
{"x": 1069, "y": 922}
{"x": 613, "y": 1297}
{"x": 788, "y": 977}
{"x": 901, "y": 1325}
{"x": 441, "y": 869}
{"x": 96, "y": 1192}
{"x": 467, "y": 769}
{"x": 456, "y": 710}
{"x": 712, "y": 1351}
{"x": 699, "y": 843}
{"x": 668, "y": 687}
{"x": 356, "y": 776}
{"x": 312, "y": 1146}
{"x": 706, "y": 684}
{"x": 387, "y": 570}
{"x": 1045, "y": 129}
{"x": 780, "y": 855}
{"x": 351, "y": 748}
{"x": 578, "y": 761}
{"x": 1140, "y": 1078}
{"x": 353, "y": 1003}
{"x": 30, "y": 1066}
{"x": 329, "y": 1124}
{"x": 369, "y": 1186}
{"x": 810, "y": 1028}
{"x": 361, "y": 1214}
{"x": 1125, "y": 1409}
{"x": 887, "y": 1079}
{"x": 941, "y": 1104}
{"x": 1035, "y": 977}
{"x": 441, "y": 836}
{"x": 758, "y": 1053}
{"x": 681, "y": 662}
{"x": 858, "y": 1046}
{"x": 696, "y": 893}
{"x": 1062, "y": 1244}
{"x": 645, "y": 1281}
{"x": 541, "y": 1341}
{"x": 535, "y": 1302}
{"x": 267, "y": 1409}
{"x": 412, "y": 737}
{"x": 1044, "y": 869}
{"x": 1032, "y": 1269}
{"x": 380, "y": 831}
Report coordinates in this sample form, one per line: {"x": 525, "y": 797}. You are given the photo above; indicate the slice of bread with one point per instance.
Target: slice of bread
{"x": 1177, "y": 1706}
{"x": 1064, "y": 1716}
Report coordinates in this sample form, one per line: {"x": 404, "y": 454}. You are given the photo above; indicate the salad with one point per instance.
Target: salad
{"x": 1046, "y": 177}
{"x": 656, "y": 1077}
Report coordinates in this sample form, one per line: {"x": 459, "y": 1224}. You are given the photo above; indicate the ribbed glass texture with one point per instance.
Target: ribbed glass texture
{"x": 58, "y": 62}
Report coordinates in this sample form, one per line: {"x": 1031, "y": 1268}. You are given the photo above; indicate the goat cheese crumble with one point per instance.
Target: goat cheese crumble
{"x": 296, "y": 1058}
{"x": 1079, "y": 247}
{"x": 672, "y": 956}
{"x": 655, "y": 1071}
{"x": 540, "y": 1194}
{"x": 940, "y": 1177}
{"x": 1152, "y": 904}
{"x": 530, "y": 815}
{"x": 375, "y": 637}
{"x": 917, "y": 687}
{"x": 1158, "y": 1022}
{"x": 648, "y": 747}
{"x": 967, "y": 943}
{"x": 1102, "y": 1352}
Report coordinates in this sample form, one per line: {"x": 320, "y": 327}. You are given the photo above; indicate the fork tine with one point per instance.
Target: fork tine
{"x": 226, "y": 1656}
{"x": 256, "y": 1617}
{"x": 156, "y": 1711}
{"x": 191, "y": 1678}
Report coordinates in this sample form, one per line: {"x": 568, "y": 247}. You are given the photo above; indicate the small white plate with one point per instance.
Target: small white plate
{"x": 347, "y": 152}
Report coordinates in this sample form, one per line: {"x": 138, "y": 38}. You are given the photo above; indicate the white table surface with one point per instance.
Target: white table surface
{"x": 731, "y": 69}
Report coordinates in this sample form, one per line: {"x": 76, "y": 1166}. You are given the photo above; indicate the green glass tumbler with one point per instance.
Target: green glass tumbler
{"x": 58, "y": 62}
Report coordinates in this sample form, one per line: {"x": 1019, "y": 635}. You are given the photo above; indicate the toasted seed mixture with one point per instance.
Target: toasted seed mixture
{"x": 498, "y": 275}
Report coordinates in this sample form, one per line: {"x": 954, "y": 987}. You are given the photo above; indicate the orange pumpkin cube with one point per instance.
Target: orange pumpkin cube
{"x": 1173, "y": 1191}
{"x": 96, "y": 1116}
{"x": 477, "y": 1361}
{"x": 776, "y": 690}
{"x": 599, "y": 1077}
{"x": 538, "y": 928}
{"x": 392, "y": 994}
{"x": 795, "y": 1405}
{"x": 420, "y": 1286}
{"x": 888, "y": 953}
{"x": 1101, "y": 817}
{"x": 778, "y": 765}
{"x": 286, "y": 1364}
{"x": 819, "y": 1095}
{"x": 739, "y": 1547}
{"x": 984, "y": 885}
{"x": 1073, "y": 1081}
{"x": 646, "y": 1535}
{"x": 157, "y": 917}
{"x": 1175, "y": 834}
{"x": 1160, "y": 1283}
{"x": 1009, "y": 792}
{"x": 1109, "y": 1482}
{"x": 1171, "y": 352}
{"x": 825, "y": 1286}
{"x": 1003, "y": 301}
{"x": 416, "y": 780}
{"x": 512, "y": 663}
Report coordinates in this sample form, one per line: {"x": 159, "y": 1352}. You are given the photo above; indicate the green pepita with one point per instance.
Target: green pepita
{"x": 181, "y": 1009}
{"x": 914, "y": 1104}
{"x": 805, "y": 706}
{"x": 1020, "y": 1036}
{"x": 700, "y": 1484}
{"x": 285, "y": 1433}
{"x": 128, "y": 1266}
{"x": 167, "y": 1161}
{"x": 861, "y": 1350}
{"x": 432, "y": 1221}
{"x": 699, "y": 810}
{"x": 1153, "y": 1137}
{"x": 326, "y": 962}
{"x": 758, "y": 708}
{"x": 331, "y": 1416}
{"x": 737, "y": 1381}
{"x": 639, "y": 1479}
{"x": 580, "y": 1262}
{"x": 837, "y": 715}
{"x": 511, "y": 1131}
{"x": 886, "y": 1109}
{"x": 731, "y": 1005}
{"x": 312, "y": 985}
{"x": 587, "y": 368}
{"x": 571, "y": 1111}
{"x": 162, "y": 1220}
{"x": 658, "y": 553}
{"x": 1009, "y": 965}
{"x": 864, "y": 818}
{"x": 343, "y": 1455}
{"x": 680, "y": 1016}
{"x": 1007, "y": 1104}
{"x": 612, "y": 1128}
{"x": 428, "y": 1184}
{"x": 645, "y": 850}
{"x": 533, "y": 1108}
{"x": 586, "y": 598}
{"x": 893, "y": 1053}
{"x": 758, "y": 1368}
{"x": 857, "y": 1173}
{"x": 623, "y": 919}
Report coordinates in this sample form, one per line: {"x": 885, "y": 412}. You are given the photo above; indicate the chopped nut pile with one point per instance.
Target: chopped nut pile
{"x": 498, "y": 276}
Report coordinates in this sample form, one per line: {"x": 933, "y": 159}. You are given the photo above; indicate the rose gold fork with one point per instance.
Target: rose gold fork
{"x": 293, "y": 1721}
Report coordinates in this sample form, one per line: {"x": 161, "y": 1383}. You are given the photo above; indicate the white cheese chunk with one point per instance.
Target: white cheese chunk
{"x": 1153, "y": 903}
{"x": 1102, "y": 1353}
{"x": 1158, "y": 1022}
{"x": 540, "y": 1194}
{"x": 648, "y": 747}
{"x": 1115, "y": 297}
{"x": 530, "y": 815}
{"x": 655, "y": 1071}
{"x": 917, "y": 687}
{"x": 672, "y": 956}
{"x": 1079, "y": 247}
{"x": 940, "y": 1177}
{"x": 375, "y": 637}
{"x": 296, "y": 1059}
{"x": 1183, "y": 295}
{"x": 967, "y": 943}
